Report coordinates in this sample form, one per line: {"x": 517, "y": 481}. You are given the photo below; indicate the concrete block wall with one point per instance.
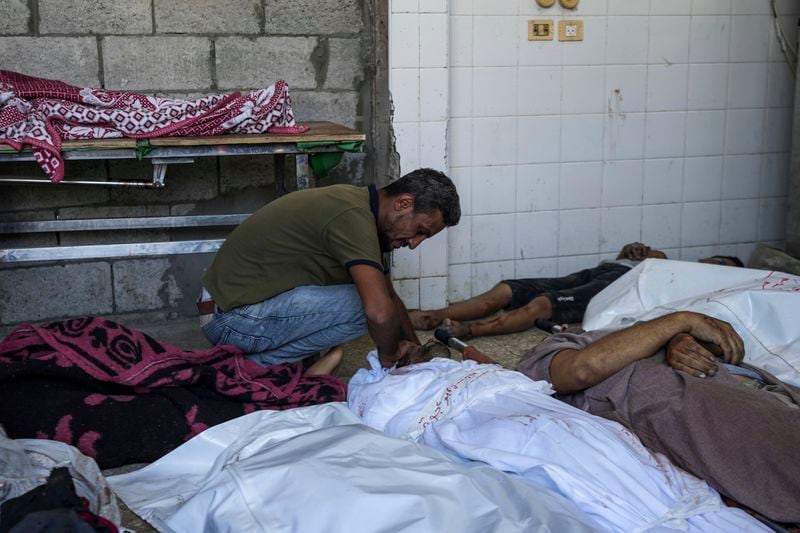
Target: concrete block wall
{"x": 183, "y": 49}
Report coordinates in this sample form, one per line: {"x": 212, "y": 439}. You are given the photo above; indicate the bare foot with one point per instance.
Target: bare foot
{"x": 456, "y": 329}
{"x": 424, "y": 319}
{"x": 327, "y": 363}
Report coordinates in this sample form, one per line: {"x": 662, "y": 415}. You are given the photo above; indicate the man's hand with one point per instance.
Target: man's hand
{"x": 707, "y": 329}
{"x": 684, "y": 353}
{"x": 406, "y": 349}
{"x": 634, "y": 251}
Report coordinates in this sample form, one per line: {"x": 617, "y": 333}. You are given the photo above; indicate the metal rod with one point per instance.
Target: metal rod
{"x": 103, "y": 224}
{"x": 61, "y": 253}
{"x": 138, "y": 184}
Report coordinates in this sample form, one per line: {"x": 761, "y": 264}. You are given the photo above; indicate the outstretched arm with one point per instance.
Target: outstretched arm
{"x": 576, "y": 370}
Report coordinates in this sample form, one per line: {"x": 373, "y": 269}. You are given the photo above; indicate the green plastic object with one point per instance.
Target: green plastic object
{"x": 143, "y": 148}
{"x": 322, "y": 163}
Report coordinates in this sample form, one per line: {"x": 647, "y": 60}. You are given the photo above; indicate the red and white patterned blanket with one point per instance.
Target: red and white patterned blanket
{"x": 41, "y": 113}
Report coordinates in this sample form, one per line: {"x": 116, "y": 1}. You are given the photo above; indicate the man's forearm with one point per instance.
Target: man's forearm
{"x": 385, "y": 332}
{"x": 406, "y": 327}
{"x": 572, "y": 372}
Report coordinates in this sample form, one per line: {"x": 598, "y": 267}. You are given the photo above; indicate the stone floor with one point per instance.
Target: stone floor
{"x": 185, "y": 333}
{"x": 505, "y": 349}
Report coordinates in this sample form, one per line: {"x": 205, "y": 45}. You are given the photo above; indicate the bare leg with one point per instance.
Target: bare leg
{"x": 514, "y": 321}
{"x": 479, "y": 306}
{"x": 327, "y": 363}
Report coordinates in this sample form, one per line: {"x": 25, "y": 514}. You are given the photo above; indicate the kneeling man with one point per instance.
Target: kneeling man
{"x": 308, "y": 271}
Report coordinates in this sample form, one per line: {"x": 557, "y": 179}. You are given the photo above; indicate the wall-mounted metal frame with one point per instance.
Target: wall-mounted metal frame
{"x": 322, "y": 137}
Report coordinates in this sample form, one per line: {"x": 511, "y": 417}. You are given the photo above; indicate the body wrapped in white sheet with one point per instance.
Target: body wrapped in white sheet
{"x": 762, "y": 306}
{"x": 500, "y": 417}
{"x": 319, "y": 469}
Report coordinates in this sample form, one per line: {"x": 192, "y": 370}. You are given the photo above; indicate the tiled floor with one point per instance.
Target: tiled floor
{"x": 505, "y": 349}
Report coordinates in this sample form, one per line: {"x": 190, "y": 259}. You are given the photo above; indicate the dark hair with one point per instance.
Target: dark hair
{"x": 432, "y": 191}
{"x": 732, "y": 258}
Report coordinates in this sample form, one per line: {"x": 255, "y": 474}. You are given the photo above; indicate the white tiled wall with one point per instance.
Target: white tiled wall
{"x": 670, "y": 124}
{"x": 418, "y": 80}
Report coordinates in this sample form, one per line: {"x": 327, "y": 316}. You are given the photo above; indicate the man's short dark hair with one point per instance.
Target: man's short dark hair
{"x": 432, "y": 191}
{"x": 732, "y": 258}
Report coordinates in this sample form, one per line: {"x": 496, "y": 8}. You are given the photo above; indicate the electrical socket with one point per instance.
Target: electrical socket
{"x": 570, "y": 30}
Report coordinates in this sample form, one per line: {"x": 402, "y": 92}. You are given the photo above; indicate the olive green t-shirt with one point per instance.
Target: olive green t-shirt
{"x": 308, "y": 237}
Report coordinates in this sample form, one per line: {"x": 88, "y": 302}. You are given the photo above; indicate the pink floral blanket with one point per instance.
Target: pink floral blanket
{"x": 41, "y": 113}
{"x": 121, "y": 396}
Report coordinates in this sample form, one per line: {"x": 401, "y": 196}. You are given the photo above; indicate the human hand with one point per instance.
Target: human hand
{"x": 635, "y": 251}
{"x": 684, "y": 353}
{"x": 406, "y": 349}
{"x": 707, "y": 329}
{"x": 424, "y": 353}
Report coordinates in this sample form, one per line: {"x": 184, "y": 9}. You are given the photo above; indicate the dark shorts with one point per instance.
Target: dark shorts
{"x": 569, "y": 295}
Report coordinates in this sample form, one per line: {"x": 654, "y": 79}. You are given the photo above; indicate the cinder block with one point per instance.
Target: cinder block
{"x": 245, "y": 172}
{"x": 350, "y": 170}
{"x": 339, "y": 107}
{"x": 312, "y": 17}
{"x": 254, "y": 63}
{"x": 70, "y": 59}
{"x": 187, "y": 270}
{"x": 48, "y": 292}
{"x": 95, "y": 16}
{"x": 345, "y": 64}
{"x": 184, "y": 182}
{"x": 157, "y": 63}
{"x": 111, "y": 211}
{"x": 144, "y": 284}
{"x": 208, "y": 16}
{"x": 52, "y": 195}
{"x": 77, "y": 238}
{"x": 15, "y": 17}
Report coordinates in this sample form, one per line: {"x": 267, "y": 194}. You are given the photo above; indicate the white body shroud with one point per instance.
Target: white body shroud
{"x": 762, "y": 306}
{"x": 500, "y": 417}
{"x": 319, "y": 469}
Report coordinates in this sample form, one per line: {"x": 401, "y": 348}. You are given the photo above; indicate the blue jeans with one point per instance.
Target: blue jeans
{"x": 292, "y": 325}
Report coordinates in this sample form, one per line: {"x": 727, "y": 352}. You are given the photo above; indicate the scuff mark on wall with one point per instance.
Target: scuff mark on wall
{"x": 615, "y": 118}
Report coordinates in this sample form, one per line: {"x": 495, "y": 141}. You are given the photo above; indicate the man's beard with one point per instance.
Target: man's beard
{"x": 385, "y": 242}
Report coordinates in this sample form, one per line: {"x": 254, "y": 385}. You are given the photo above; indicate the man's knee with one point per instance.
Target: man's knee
{"x": 540, "y": 307}
{"x": 501, "y": 294}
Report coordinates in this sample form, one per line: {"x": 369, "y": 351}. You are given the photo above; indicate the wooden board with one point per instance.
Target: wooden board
{"x": 318, "y": 131}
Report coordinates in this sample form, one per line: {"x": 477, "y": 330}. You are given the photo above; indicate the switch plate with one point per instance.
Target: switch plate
{"x": 570, "y": 30}
{"x": 540, "y": 30}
